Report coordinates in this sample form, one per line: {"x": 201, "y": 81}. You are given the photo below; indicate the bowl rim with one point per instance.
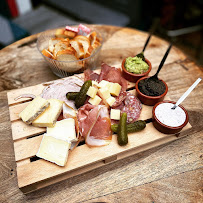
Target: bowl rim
{"x": 79, "y": 60}
{"x": 150, "y": 97}
{"x": 166, "y": 126}
{"x": 134, "y": 74}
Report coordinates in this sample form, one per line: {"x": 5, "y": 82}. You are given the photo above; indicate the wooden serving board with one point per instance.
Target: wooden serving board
{"x": 33, "y": 173}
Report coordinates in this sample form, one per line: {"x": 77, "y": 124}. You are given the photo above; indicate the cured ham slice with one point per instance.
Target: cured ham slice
{"x": 58, "y": 89}
{"x": 90, "y": 75}
{"x": 95, "y": 125}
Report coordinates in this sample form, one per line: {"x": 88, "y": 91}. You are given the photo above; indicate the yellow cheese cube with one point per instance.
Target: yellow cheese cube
{"x": 95, "y": 83}
{"x": 49, "y": 116}
{"x": 115, "y": 114}
{"x": 115, "y": 89}
{"x": 105, "y": 92}
{"x": 92, "y": 91}
{"x": 104, "y": 84}
{"x": 95, "y": 101}
{"x": 54, "y": 150}
{"x": 111, "y": 100}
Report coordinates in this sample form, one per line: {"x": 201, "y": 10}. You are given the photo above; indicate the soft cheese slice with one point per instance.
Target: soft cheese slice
{"x": 49, "y": 116}
{"x": 92, "y": 91}
{"x": 115, "y": 89}
{"x": 34, "y": 109}
{"x": 64, "y": 130}
{"x": 115, "y": 114}
{"x": 54, "y": 150}
{"x": 95, "y": 101}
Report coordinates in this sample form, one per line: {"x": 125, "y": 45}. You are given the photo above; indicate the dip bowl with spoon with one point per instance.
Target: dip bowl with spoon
{"x": 151, "y": 90}
{"x": 170, "y": 117}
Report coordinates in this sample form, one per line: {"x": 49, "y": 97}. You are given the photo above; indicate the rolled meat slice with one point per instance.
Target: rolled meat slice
{"x": 95, "y": 125}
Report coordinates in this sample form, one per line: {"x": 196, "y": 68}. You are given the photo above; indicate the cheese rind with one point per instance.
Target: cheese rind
{"x": 115, "y": 89}
{"x": 92, "y": 91}
{"x": 49, "y": 116}
{"x": 34, "y": 109}
{"x": 105, "y": 92}
{"x": 54, "y": 150}
{"x": 111, "y": 100}
{"x": 64, "y": 130}
{"x": 95, "y": 101}
{"x": 115, "y": 114}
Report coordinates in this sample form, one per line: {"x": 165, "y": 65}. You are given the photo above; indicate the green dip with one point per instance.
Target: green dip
{"x": 136, "y": 65}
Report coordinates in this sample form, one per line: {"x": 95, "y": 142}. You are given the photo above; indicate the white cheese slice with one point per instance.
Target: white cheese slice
{"x": 95, "y": 101}
{"x": 64, "y": 130}
{"x": 104, "y": 84}
{"x": 92, "y": 91}
{"x": 34, "y": 109}
{"x": 49, "y": 116}
{"x": 115, "y": 114}
{"x": 115, "y": 89}
{"x": 54, "y": 150}
{"x": 105, "y": 92}
{"x": 111, "y": 100}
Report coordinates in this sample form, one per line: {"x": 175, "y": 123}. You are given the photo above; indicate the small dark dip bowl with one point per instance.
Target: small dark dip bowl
{"x": 149, "y": 100}
{"x": 164, "y": 128}
{"x": 132, "y": 77}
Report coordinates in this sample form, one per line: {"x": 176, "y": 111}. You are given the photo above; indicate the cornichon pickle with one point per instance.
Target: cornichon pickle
{"x": 122, "y": 135}
{"x": 81, "y": 97}
{"x": 132, "y": 127}
{"x": 71, "y": 95}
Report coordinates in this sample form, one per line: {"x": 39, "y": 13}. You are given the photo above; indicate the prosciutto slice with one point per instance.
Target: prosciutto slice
{"x": 58, "y": 89}
{"x": 95, "y": 125}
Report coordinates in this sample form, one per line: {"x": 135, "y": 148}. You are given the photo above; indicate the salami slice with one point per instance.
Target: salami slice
{"x": 132, "y": 106}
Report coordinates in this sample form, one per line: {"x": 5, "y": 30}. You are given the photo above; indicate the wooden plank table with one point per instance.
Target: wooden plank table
{"x": 168, "y": 173}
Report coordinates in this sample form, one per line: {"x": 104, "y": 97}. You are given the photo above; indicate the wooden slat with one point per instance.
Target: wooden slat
{"x": 41, "y": 170}
{"x": 21, "y": 130}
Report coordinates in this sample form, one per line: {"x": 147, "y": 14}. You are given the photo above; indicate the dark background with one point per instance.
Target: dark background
{"x": 179, "y": 21}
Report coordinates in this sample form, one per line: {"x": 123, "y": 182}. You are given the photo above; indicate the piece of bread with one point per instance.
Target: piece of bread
{"x": 78, "y": 48}
{"x": 70, "y": 34}
{"x": 60, "y": 33}
{"x": 62, "y": 45}
{"x": 66, "y": 55}
{"x": 47, "y": 53}
{"x": 52, "y": 43}
{"x": 84, "y": 41}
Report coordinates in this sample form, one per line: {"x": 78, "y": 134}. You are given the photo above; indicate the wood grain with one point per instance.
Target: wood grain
{"x": 171, "y": 173}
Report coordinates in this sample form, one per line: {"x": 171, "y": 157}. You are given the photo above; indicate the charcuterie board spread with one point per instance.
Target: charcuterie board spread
{"x": 34, "y": 173}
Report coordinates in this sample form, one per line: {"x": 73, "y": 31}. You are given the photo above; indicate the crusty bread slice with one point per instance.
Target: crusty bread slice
{"x": 65, "y": 33}
{"x": 52, "y": 43}
{"x": 62, "y": 45}
{"x": 60, "y": 33}
{"x": 68, "y": 54}
{"x": 78, "y": 48}
{"x": 47, "y": 53}
{"x": 70, "y": 34}
{"x": 84, "y": 41}
{"x": 92, "y": 37}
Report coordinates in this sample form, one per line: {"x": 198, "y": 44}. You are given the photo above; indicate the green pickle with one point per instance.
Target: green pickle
{"x": 81, "y": 97}
{"x": 122, "y": 135}
{"x": 132, "y": 127}
{"x": 71, "y": 95}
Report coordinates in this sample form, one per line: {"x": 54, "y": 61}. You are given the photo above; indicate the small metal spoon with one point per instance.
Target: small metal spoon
{"x": 182, "y": 98}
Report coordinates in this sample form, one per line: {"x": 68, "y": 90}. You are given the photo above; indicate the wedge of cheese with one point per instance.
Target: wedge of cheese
{"x": 92, "y": 91}
{"x": 64, "y": 130}
{"x": 54, "y": 150}
{"x": 49, "y": 116}
{"x": 105, "y": 92}
{"x": 95, "y": 101}
{"x": 104, "y": 84}
{"x": 115, "y": 89}
{"x": 34, "y": 109}
{"x": 115, "y": 114}
{"x": 111, "y": 100}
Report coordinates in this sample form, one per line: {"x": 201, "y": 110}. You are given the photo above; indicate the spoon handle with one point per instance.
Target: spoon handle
{"x": 163, "y": 59}
{"x": 182, "y": 98}
{"x": 146, "y": 43}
